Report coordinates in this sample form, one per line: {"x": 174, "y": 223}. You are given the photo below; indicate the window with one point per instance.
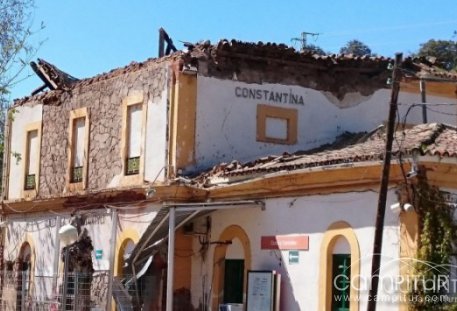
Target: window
{"x": 341, "y": 267}
{"x": 77, "y": 161}
{"x": 233, "y": 280}
{"x": 134, "y": 138}
{"x": 276, "y": 125}
{"x": 32, "y": 160}
{"x": 78, "y": 149}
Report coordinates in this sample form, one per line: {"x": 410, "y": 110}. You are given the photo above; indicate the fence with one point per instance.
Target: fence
{"x": 74, "y": 291}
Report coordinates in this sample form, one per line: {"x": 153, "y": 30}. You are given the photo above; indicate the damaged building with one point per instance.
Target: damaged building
{"x": 186, "y": 173}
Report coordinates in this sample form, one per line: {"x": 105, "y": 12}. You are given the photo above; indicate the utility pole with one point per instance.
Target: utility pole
{"x": 377, "y": 245}
{"x": 303, "y": 39}
{"x": 424, "y": 100}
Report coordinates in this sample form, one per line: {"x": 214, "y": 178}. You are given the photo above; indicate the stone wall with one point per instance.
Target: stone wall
{"x": 103, "y": 98}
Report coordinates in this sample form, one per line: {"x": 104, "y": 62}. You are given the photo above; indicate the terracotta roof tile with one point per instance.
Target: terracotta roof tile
{"x": 428, "y": 139}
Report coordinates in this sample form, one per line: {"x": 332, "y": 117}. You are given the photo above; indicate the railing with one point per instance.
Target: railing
{"x": 76, "y": 291}
{"x": 29, "y": 182}
{"x": 133, "y": 166}
{"x": 76, "y": 174}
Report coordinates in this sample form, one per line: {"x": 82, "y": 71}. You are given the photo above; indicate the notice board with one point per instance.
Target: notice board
{"x": 263, "y": 291}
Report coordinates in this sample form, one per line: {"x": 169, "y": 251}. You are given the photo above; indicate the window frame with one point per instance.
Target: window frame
{"x": 135, "y": 98}
{"x": 71, "y": 149}
{"x": 290, "y": 115}
{"x": 30, "y": 193}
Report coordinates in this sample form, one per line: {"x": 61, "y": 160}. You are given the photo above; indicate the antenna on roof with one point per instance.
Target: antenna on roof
{"x": 303, "y": 39}
{"x": 165, "y": 38}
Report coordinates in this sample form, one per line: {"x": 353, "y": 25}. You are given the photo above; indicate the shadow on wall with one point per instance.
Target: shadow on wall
{"x": 288, "y": 301}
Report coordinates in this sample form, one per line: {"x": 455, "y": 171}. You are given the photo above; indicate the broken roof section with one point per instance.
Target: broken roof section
{"x": 53, "y": 77}
{"x": 428, "y": 139}
{"x": 278, "y": 63}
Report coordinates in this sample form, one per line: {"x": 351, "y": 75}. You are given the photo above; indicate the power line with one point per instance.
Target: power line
{"x": 303, "y": 39}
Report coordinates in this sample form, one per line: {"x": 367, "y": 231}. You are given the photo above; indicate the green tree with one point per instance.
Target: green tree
{"x": 356, "y": 47}
{"x": 445, "y": 52}
{"x": 15, "y": 51}
{"x": 311, "y": 48}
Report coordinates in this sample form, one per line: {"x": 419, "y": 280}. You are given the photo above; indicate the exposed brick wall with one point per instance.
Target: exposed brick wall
{"x": 103, "y": 100}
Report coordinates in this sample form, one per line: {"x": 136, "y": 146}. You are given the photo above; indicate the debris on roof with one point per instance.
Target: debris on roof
{"x": 278, "y": 63}
{"x": 53, "y": 77}
{"x": 429, "y": 139}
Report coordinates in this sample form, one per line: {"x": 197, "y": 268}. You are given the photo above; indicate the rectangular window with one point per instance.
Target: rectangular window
{"x": 32, "y": 160}
{"x": 233, "y": 280}
{"x": 134, "y": 127}
{"x": 277, "y": 125}
{"x": 78, "y": 150}
{"x": 341, "y": 282}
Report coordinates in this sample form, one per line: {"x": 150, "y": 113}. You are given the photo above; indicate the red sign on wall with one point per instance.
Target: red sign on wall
{"x": 285, "y": 242}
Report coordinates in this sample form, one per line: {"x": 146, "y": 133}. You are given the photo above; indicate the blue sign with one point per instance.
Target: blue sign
{"x": 98, "y": 254}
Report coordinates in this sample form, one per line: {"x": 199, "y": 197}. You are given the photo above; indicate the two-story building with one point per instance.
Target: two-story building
{"x": 115, "y": 153}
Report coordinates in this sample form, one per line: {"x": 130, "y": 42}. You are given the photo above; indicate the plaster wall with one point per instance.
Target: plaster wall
{"x": 310, "y": 216}
{"x": 156, "y": 139}
{"x": 226, "y": 126}
{"x": 41, "y": 232}
{"x": 22, "y": 116}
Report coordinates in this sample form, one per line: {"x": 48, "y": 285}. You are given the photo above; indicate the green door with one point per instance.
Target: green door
{"x": 341, "y": 282}
{"x": 233, "y": 280}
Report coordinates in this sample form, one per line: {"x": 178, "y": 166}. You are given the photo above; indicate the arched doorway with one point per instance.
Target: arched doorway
{"x": 23, "y": 271}
{"x": 124, "y": 252}
{"x": 231, "y": 263}
{"x": 339, "y": 268}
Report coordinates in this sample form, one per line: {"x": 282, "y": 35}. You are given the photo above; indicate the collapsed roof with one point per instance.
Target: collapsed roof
{"x": 264, "y": 63}
{"x": 432, "y": 139}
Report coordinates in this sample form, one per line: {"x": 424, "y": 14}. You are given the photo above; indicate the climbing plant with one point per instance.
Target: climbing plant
{"x": 437, "y": 240}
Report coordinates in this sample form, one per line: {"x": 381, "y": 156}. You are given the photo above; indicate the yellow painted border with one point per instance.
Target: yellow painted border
{"x": 31, "y": 194}
{"x": 76, "y": 114}
{"x": 133, "y": 99}
{"x": 128, "y": 234}
{"x": 409, "y": 240}
{"x": 288, "y": 114}
{"x": 229, "y": 233}
{"x": 334, "y": 231}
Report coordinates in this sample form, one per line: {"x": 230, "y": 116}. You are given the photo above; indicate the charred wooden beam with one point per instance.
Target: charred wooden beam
{"x": 165, "y": 38}
{"x": 53, "y": 77}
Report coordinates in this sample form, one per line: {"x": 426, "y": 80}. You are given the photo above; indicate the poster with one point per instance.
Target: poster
{"x": 260, "y": 295}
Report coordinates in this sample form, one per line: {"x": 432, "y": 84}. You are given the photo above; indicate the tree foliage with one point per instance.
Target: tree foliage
{"x": 311, "y": 48}
{"x": 445, "y": 52}
{"x": 356, "y": 47}
{"x": 15, "y": 31}
{"x": 15, "y": 50}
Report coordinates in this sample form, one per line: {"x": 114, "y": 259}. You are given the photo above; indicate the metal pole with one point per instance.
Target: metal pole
{"x": 377, "y": 246}
{"x": 112, "y": 254}
{"x": 56, "y": 253}
{"x": 424, "y": 100}
{"x": 171, "y": 258}
{"x": 65, "y": 281}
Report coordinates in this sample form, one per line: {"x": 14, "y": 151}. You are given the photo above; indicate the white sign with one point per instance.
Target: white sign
{"x": 260, "y": 291}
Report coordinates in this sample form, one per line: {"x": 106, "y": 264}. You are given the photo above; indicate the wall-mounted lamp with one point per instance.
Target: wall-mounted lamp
{"x": 68, "y": 234}
{"x": 150, "y": 192}
{"x": 398, "y": 207}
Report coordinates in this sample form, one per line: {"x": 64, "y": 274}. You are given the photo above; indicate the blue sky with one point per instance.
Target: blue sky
{"x": 87, "y": 37}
